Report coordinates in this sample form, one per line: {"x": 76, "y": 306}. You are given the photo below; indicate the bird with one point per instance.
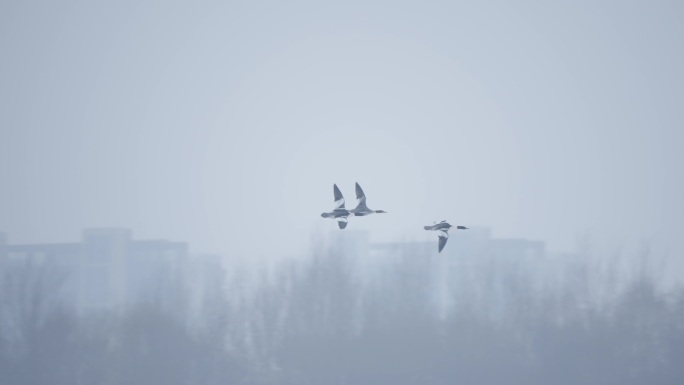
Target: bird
{"x": 339, "y": 213}
{"x": 361, "y": 209}
{"x": 443, "y": 228}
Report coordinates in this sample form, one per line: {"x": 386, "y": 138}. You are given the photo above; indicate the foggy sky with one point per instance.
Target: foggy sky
{"x": 226, "y": 123}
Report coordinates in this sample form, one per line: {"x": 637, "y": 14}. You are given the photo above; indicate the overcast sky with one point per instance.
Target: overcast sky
{"x": 225, "y": 124}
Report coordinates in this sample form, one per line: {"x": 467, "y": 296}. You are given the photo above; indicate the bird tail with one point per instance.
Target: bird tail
{"x": 426, "y": 227}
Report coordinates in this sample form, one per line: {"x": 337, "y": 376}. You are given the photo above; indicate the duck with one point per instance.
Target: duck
{"x": 339, "y": 213}
{"x": 443, "y": 232}
{"x": 361, "y": 209}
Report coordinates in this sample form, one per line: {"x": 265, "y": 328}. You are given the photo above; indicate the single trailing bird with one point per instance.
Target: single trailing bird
{"x": 339, "y": 213}
{"x": 442, "y": 229}
{"x": 361, "y": 209}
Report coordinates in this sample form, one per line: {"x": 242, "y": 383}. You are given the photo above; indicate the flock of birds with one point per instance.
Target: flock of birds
{"x": 341, "y": 215}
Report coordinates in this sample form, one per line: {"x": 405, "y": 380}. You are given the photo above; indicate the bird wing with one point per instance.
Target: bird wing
{"x": 339, "y": 199}
{"x": 360, "y": 195}
{"x": 361, "y": 200}
{"x": 342, "y": 222}
{"x": 443, "y": 237}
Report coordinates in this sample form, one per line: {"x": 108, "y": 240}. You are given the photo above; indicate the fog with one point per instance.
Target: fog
{"x": 164, "y": 165}
{"x": 350, "y": 312}
{"x": 211, "y": 121}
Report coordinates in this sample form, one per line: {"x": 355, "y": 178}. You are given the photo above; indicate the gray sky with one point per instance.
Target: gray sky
{"x": 226, "y": 124}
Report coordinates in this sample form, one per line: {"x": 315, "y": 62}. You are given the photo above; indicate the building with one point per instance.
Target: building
{"x": 471, "y": 260}
{"x": 475, "y": 242}
{"x": 106, "y": 270}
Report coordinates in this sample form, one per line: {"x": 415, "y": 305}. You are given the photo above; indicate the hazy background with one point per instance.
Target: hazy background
{"x": 226, "y": 123}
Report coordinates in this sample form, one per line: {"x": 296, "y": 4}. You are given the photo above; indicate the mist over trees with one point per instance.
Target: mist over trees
{"x": 344, "y": 315}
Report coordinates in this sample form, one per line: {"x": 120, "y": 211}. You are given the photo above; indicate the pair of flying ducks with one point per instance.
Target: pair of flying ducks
{"x": 340, "y": 214}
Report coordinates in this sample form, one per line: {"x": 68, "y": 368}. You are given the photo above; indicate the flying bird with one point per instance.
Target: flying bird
{"x": 443, "y": 232}
{"x": 361, "y": 209}
{"x": 339, "y": 213}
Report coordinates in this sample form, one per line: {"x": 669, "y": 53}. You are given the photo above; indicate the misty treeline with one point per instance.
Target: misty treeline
{"x": 345, "y": 317}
